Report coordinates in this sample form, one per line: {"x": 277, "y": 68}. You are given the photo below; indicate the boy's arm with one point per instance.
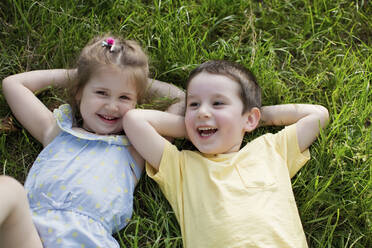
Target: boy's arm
{"x": 19, "y": 91}
{"x": 308, "y": 118}
{"x": 145, "y": 129}
{"x": 162, "y": 89}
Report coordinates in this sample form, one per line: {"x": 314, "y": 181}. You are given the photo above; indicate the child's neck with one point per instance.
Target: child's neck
{"x": 85, "y": 131}
{"x": 81, "y": 130}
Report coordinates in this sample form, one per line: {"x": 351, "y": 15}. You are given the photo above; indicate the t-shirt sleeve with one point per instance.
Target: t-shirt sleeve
{"x": 287, "y": 145}
{"x": 169, "y": 175}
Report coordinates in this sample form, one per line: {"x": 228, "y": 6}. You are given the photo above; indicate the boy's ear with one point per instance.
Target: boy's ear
{"x": 252, "y": 119}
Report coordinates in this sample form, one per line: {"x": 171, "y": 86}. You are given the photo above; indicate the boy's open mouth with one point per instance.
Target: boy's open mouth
{"x": 206, "y": 131}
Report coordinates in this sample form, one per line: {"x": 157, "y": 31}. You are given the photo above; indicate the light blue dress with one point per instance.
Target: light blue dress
{"x": 80, "y": 188}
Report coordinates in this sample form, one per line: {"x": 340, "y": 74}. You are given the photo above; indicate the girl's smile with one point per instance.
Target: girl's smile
{"x": 108, "y": 119}
{"x": 105, "y": 99}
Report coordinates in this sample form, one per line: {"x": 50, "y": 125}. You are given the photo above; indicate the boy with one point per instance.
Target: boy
{"x": 224, "y": 196}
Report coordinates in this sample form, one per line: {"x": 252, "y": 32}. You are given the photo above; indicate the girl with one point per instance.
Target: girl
{"x": 80, "y": 188}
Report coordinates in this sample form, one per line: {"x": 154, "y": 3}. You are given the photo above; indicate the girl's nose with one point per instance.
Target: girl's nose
{"x": 112, "y": 106}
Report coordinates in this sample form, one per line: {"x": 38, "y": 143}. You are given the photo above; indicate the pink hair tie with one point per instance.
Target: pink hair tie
{"x": 109, "y": 43}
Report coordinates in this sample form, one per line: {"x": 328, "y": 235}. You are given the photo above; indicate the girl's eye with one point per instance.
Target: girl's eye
{"x": 101, "y": 92}
{"x": 124, "y": 98}
{"x": 217, "y": 103}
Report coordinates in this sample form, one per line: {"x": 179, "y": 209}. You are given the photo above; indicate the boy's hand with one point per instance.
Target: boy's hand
{"x": 308, "y": 118}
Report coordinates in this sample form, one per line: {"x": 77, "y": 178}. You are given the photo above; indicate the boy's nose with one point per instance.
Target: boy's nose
{"x": 203, "y": 112}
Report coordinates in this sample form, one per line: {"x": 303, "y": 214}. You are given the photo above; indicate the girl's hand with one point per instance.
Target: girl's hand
{"x": 161, "y": 89}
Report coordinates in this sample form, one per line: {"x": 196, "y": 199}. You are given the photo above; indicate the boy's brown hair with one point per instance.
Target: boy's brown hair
{"x": 250, "y": 93}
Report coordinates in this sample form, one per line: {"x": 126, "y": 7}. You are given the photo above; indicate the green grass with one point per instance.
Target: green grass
{"x": 301, "y": 52}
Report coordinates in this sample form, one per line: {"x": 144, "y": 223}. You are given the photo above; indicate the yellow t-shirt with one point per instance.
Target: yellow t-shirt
{"x": 241, "y": 199}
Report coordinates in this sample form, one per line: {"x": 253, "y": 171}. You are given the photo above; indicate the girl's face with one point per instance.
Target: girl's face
{"x": 105, "y": 99}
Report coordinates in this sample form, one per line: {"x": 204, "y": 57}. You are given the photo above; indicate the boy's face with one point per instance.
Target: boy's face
{"x": 214, "y": 120}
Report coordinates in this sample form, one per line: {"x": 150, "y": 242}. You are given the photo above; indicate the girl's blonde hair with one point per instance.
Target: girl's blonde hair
{"x": 113, "y": 52}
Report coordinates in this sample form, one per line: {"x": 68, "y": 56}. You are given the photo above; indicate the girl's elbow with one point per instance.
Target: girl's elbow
{"x": 6, "y": 81}
{"x": 323, "y": 115}
{"x": 9, "y": 82}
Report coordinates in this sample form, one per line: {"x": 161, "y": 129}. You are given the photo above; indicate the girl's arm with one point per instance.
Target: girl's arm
{"x": 308, "y": 118}
{"x": 145, "y": 129}
{"x": 19, "y": 92}
{"x": 162, "y": 89}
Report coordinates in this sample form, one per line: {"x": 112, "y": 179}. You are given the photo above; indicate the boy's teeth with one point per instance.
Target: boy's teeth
{"x": 204, "y": 128}
{"x": 206, "y": 131}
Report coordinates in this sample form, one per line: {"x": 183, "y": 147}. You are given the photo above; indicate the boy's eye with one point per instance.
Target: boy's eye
{"x": 193, "y": 104}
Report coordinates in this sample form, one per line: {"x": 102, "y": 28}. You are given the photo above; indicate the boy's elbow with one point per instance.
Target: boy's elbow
{"x": 130, "y": 116}
{"x": 133, "y": 117}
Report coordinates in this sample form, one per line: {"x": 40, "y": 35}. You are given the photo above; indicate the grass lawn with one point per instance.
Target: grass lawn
{"x": 301, "y": 51}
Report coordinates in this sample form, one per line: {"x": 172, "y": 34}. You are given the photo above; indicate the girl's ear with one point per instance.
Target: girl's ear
{"x": 78, "y": 95}
{"x": 252, "y": 119}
